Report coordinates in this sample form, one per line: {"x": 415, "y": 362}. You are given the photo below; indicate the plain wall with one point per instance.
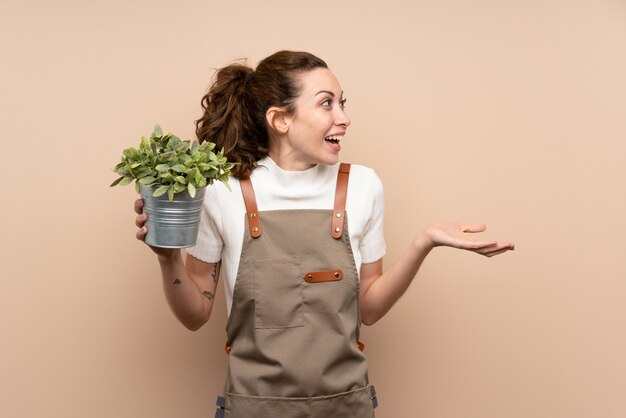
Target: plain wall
{"x": 510, "y": 113}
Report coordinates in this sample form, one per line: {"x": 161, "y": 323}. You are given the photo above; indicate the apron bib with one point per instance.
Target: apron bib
{"x": 293, "y": 329}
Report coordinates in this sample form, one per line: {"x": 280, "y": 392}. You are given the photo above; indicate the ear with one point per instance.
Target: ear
{"x": 277, "y": 119}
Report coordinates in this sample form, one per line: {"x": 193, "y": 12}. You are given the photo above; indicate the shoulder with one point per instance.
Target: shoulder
{"x": 221, "y": 198}
{"x": 362, "y": 171}
{"x": 221, "y": 191}
{"x": 365, "y": 179}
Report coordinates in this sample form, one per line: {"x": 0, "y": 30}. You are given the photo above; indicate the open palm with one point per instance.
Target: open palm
{"x": 457, "y": 235}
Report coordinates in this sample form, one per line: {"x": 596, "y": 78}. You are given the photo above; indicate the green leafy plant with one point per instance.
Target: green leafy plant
{"x": 172, "y": 165}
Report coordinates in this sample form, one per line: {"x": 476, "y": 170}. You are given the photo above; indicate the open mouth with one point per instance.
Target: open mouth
{"x": 335, "y": 139}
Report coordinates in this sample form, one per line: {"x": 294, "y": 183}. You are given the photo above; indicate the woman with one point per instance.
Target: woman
{"x": 299, "y": 241}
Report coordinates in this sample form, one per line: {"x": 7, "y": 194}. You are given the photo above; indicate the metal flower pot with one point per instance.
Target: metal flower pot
{"x": 172, "y": 224}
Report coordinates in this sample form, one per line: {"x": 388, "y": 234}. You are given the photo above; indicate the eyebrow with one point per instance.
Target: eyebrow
{"x": 329, "y": 92}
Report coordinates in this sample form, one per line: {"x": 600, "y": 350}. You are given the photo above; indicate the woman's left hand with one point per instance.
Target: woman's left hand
{"x": 457, "y": 235}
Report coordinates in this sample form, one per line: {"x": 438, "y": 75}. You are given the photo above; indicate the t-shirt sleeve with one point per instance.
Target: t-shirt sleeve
{"x": 210, "y": 243}
{"x": 372, "y": 245}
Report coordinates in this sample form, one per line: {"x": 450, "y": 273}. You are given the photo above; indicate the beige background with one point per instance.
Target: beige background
{"x": 509, "y": 113}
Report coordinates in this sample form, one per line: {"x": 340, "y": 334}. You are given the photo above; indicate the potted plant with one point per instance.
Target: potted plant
{"x": 171, "y": 175}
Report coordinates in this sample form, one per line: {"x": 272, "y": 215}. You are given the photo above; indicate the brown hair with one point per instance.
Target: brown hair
{"x": 236, "y": 103}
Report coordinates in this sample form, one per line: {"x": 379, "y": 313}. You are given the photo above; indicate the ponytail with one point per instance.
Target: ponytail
{"x": 226, "y": 120}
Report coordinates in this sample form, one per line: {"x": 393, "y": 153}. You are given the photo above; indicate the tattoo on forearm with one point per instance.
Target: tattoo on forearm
{"x": 177, "y": 281}
{"x": 216, "y": 271}
{"x": 208, "y": 295}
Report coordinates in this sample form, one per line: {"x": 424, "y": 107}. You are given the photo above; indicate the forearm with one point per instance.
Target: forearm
{"x": 190, "y": 304}
{"x": 386, "y": 289}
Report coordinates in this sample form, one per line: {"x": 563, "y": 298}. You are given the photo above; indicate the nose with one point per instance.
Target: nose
{"x": 342, "y": 119}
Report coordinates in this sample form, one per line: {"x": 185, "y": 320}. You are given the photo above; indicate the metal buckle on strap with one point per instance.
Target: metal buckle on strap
{"x": 361, "y": 345}
{"x": 221, "y": 405}
{"x": 227, "y": 348}
{"x": 373, "y": 396}
{"x": 254, "y": 220}
{"x": 339, "y": 207}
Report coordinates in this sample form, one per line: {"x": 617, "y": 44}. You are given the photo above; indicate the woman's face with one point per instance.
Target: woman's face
{"x": 317, "y": 127}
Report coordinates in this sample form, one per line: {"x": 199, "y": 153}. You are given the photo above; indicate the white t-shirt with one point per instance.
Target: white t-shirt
{"x": 222, "y": 221}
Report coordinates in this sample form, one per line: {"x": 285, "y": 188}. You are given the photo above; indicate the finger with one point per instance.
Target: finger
{"x": 139, "y": 205}
{"x": 140, "y": 220}
{"x": 492, "y": 253}
{"x": 507, "y": 245}
{"x": 478, "y": 245}
{"x": 141, "y": 233}
{"x": 500, "y": 247}
{"x": 471, "y": 228}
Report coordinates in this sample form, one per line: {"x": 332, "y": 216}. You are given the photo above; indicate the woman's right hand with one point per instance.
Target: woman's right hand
{"x": 140, "y": 221}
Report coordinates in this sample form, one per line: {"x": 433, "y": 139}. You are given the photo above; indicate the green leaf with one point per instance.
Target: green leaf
{"x": 181, "y": 179}
{"x": 147, "y": 180}
{"x": 160, "y": 191}
{"x": 137, "y": 187}
{"x": 157, "y": 131}
{"x": 163, "y": 168}
{"x": 179, "y": 168}
{"x": 144, "y": 172}
{"x": 173, "y": 142}
{"x": 192, "y": 190}
{"x": 191, "y": 174}
{"x": 198, "y": 176}
{"x": 225, "y": 181}
{"x": 170, "y": 192}
{"x": 116, "y": 182}
{"x": 207, "y": 146}
{"x": 125, "y": 181}
{"x": 207, "y": 166}
{"x": 181, "y": 146}
{"x": 143, "y": 146}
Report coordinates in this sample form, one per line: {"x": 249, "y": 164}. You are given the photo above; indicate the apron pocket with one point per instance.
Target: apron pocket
{"x": 357, "y": 403}
{"x": 243, "y": 406}
{"x": 278, "y": 293}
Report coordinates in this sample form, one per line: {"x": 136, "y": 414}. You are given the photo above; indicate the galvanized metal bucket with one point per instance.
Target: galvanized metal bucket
{"x": 172, "y": 224}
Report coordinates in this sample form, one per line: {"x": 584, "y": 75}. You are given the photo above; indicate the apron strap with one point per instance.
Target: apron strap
{"x": 341, "y": 192}
{"x": 339, "y": 211}
{"x": 254, "y": 220}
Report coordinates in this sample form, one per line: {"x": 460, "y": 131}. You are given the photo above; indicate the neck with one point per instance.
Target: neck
{"x": 287, "y": 160}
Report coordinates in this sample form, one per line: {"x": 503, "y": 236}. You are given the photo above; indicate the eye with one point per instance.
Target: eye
{"x": 327, "y": 102}
{"x": 342, "y": 103}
